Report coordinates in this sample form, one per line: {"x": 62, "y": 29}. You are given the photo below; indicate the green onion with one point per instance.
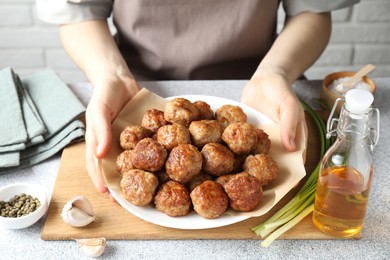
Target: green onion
{"x": 303, "y": 202}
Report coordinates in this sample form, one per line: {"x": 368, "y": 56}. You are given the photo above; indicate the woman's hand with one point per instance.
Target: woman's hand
{"x": 298, "y": 45}
{"x": 273, "y": 95}
{"x": 109, "y": 96}
{"x": 92, "y": 47}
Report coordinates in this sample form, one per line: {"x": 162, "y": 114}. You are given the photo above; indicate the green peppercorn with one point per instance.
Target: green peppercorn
{"x": 18, "y": 206}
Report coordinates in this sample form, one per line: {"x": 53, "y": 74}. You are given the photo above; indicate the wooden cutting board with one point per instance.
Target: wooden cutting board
{"x": 114, "y": 222}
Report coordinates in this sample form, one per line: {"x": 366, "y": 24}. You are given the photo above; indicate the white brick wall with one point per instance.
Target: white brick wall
{"x": 29, "y": 45}
{"x": 360, "y": 35}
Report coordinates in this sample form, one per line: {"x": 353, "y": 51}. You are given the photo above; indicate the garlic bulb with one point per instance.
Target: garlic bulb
{"x": 78, "y": 212}
{"x": 93, "y": 247}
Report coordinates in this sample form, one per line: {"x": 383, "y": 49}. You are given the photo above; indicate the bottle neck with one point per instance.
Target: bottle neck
{"x": 354, "y": 125}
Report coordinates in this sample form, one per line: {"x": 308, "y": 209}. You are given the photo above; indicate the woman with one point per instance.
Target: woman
{"x": 199, "y": 39}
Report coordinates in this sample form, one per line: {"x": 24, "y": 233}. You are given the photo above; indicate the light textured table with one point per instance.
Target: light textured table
{"x": 27, "y": 244}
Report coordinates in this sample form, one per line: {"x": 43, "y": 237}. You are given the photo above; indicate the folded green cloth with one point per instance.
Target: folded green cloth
{"x": 55, "y": 102}
{"x": 74, "y": 132}
{"x": 33, "y": 122}
{"x": 13, "y": 133}
{"x": 40, "y": 117}
{"x": 9, "y": 159}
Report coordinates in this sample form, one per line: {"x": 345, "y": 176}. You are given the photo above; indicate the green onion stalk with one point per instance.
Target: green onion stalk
{"x": 302, "y": 204}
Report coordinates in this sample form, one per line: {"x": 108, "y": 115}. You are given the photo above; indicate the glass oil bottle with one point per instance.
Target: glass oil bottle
{"x": 347, "y": 167}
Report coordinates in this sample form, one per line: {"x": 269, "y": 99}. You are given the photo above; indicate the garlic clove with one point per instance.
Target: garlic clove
{"x": 93, "y": 247}
{"x": 83, "y": 203}
{"x": 77, "y": 218}
{"x": 78, "y": 212}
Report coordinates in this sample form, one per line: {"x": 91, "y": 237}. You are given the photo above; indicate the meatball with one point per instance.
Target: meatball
{"x": 149, "y": 155}
{"x": 183, "y": 163}
{"x": 244, "y": 191}
{"x": 173, "y": 199}
{"x": 204, "y": 109}
{"x": 153, "y": 119}
{"x": 240, "y": 137}
{"x": 209, "y": 199}
{"x": 131, "y": 135}
{"x": 228, "y": 114}
{"x": 173, "y": 135}
{"x": 199, "y": 179}
{"x": 262, "y": 166}
{"x": 205, "y": 131}
{"x": 123, "y": 161}
{"x": 263, "y": 142}
{"x": 180, "y": 111}
{"x": 217, "y": 159}
{"x": 138, "y": 186}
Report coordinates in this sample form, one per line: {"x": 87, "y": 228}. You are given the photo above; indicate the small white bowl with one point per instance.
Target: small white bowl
{"x": 36, "y": 191}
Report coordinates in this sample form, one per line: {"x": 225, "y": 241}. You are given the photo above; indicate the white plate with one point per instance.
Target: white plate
{"x": 193, "y": 220}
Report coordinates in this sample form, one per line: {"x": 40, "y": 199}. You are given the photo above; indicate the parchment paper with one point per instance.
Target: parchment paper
{"x": 290, "y": 164}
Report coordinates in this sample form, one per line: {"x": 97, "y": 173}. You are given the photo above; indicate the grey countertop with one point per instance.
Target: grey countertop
{"x": 375, "y": 244}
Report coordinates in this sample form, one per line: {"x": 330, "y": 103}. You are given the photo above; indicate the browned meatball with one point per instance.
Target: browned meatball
{"x": 209, "y": 199}
{"x": 263, "y": 142}
{"x": 240, "y": 137}
{"x": 244, "y": 191}
{"x": 199, "y": 179}
{"x": 149, "y": 155}
{"x": 180, "y": 111}
{"x": 153, "y": 119}
{"x": 131, "y": 135}
{"x": 183, "y": 163}
{"x": 123, "y": 161}
{"x": 138, "y": 187}
{"x": 217, "y": 159}
{"x": 173, "y": 135}
{"x": 205, "y": 131}
{"x": 173, "y": 199}
{"x": 263, "y": 167}
{"x": 228, "y": 114}
{"x": 204, "y": 109}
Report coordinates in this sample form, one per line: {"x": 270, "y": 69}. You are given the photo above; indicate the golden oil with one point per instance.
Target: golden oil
{"x": 341, "y": 201}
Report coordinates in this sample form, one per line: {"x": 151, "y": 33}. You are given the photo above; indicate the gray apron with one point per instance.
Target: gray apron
{"x": 194, "y": 39}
